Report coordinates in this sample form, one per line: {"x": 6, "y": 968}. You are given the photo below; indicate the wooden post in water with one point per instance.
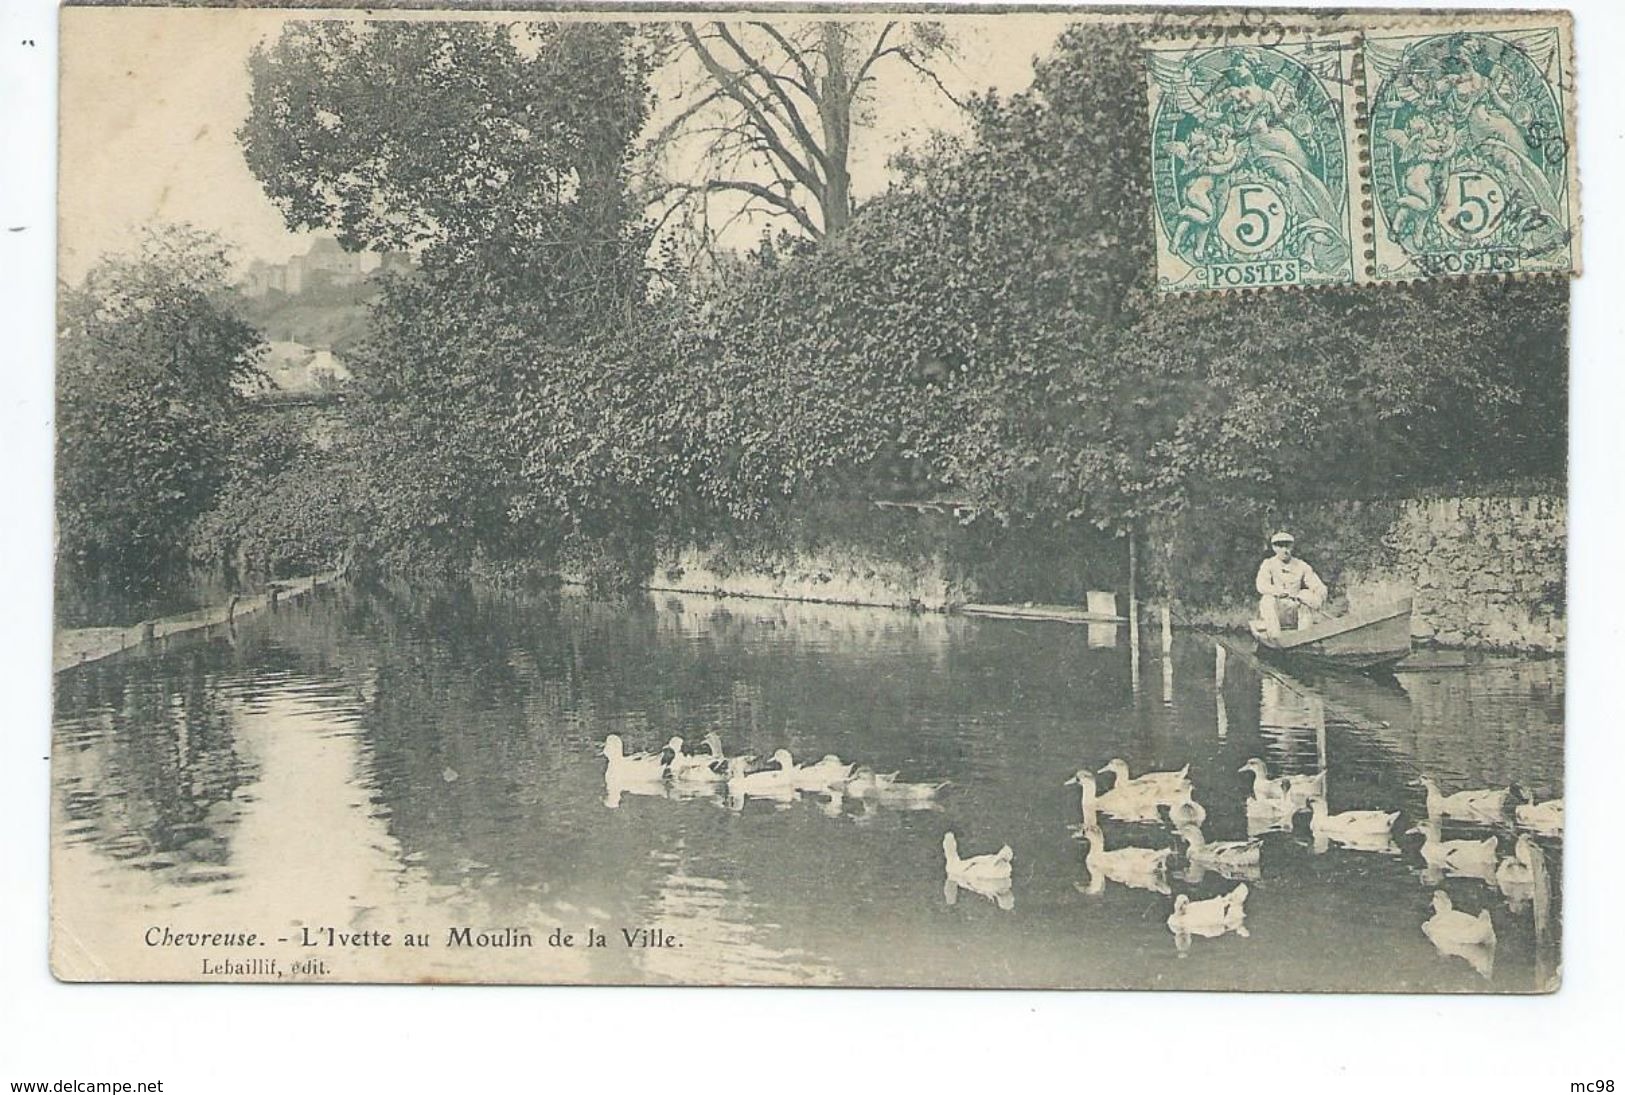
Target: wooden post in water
{"x": 1167, "y": 656}
{"x": 1165, "y": 614}
{"x": 1133, "y": 612}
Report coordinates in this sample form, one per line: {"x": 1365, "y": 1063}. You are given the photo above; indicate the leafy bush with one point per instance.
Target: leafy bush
{"x": 152, "y": 367}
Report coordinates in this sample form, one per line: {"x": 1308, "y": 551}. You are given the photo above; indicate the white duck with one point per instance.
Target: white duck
{"x": 708, "y": 767}
{"x": 624, "y": 767}
{"x": 1484, "y": 805}
{"x": 1519, "y": 874}
{"x": 1138, "y": 868}
{"x": 1365, "y": 829}
{"x": 1210, "y": 918}
{"x": 1185, "y": 810}
{"x": 1220, "y": 855}
{"x": 1304, "y": 789}
{"x": 865, "y": 782}
{"x": 982, "y": 873}
{"x": 1267, "y": 815}
{"x": 1124, "y": 803}
{"x": 1450, "y": 925}
{"x": 1265, "y": 789}
{"x": 1545, "y": 818}
{"x": 1162, "y": 785}
{"x": 1467, "y": 858}
{"x": 770, "y": 782}
{"x": 823, "y": 775}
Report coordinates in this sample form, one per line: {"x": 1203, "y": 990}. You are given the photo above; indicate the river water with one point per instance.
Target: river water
{"x": 416, "y": 764}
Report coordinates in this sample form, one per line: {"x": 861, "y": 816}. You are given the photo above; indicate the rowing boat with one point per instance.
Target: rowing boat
{"x": 1373, "y": 639}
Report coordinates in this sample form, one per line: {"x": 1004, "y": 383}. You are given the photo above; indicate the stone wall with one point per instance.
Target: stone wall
{"x": 1485, "y": 572}
{"x": 836, "y": 574}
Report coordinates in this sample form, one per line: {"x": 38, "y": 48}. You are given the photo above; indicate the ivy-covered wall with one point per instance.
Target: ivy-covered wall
{"x": 858, "y": 553}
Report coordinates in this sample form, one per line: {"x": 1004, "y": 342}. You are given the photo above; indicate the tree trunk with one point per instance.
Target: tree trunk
{"x": 835, "y": 113}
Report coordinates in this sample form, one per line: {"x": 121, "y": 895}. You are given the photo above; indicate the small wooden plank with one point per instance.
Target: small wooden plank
{"x": 1055, "y": 613}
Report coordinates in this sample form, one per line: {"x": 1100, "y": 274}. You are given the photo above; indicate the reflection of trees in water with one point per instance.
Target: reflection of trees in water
{"x": 147, "y": 763}
{"x": 457, "y": 764}
{"x": 486, "y": 709}
{"x": 1492, "y": 725}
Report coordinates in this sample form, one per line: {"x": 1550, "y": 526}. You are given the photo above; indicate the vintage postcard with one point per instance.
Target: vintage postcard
{"x": 1010, "y": 498}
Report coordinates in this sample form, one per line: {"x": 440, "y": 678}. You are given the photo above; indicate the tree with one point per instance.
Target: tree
{"x": 501, "y": 152}
{"x": 504, "y": 143}
{"x": 152, "y": 368}
{"x": 775, "y": 108}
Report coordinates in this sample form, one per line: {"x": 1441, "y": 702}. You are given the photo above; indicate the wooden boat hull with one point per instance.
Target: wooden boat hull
{"x": 1374, "y": 639}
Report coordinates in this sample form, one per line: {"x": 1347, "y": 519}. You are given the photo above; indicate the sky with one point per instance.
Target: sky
{"x": 151, "y": 100}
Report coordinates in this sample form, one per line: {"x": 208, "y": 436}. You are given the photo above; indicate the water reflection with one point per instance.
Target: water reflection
{"x": 1001, "y": 895}
{"x": 423, "y": 760}
{"x": 166, "y": 750}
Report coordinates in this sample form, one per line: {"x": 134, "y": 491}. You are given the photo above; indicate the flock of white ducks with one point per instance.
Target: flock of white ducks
{"x": 674, "y": 769}
{"x": 1272, "y": 805}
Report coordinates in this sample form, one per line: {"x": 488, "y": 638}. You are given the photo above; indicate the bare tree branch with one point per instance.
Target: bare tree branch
{"x": 670, "y": 129}
{"x": 780, "y": 103}
{"x": 808, "y": 81}
{"x": 793, "y": 116}
{"x": 676, "y": 194}
{"x": 875, "y": 54}
{"x": 732, "y": 85}
{"x": 907, "y": 57}
{"x": 777, "y": 201}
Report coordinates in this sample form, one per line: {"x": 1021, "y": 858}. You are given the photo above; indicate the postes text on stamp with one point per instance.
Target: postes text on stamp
{"x": 1471, "y": 165}
{"x": 1250, "y": 155}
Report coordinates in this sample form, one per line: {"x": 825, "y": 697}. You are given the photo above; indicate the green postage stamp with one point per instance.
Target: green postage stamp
{"x": 1471, "y": 165}
{"x": 1429, "y": 147}
{"x": 1251, "y": 154}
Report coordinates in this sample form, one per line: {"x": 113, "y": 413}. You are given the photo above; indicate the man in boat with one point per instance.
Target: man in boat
{"x": 1289, "y": 590}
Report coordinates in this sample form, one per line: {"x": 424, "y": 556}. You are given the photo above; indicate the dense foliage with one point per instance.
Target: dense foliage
{"x": 988, "y": 329}
{"x": 474, "y": 137}
{"x": 500, "y": 155}
{"x": 152, "y": 368}
{"x": 994, "y": 319}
